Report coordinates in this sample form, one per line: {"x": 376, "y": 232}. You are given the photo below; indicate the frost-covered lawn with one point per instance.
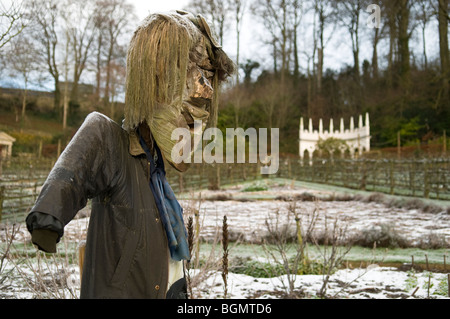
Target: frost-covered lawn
{"x": 416, "y": 221}
{"x": 372, "y": 283}
{"x": 249, "y": 207}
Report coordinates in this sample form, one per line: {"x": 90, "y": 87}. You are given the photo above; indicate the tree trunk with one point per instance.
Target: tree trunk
{"x": 74, "y": 91}
{"x": 425, "y": 62}
{"x": 296, "y": 61}
{"x": 98, "y": 66}
{"x": 106, "y": 97}
{"x": 443, "y": 47}
{"x": 24, "y": 101}
{"x": 57, "y": 96}
{"x": 319, "y": 69}
{"x": 403, "y": 46}
{"x": 392, "y": 38}
{"x": 375, "y": 55}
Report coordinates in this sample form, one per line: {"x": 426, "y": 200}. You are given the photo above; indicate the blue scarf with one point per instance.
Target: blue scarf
{"x": 169, "y": 209}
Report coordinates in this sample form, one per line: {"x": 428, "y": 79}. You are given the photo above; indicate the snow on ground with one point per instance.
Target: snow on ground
{"x": 246, "y": 220}
{"x": 372, "y": 283}
{"x": 369, "y": 283}
{"x": 247, "y": 217}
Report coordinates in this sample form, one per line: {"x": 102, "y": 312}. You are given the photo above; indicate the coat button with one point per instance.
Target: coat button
{"x": 157, "y": 220}
{"x": 157, "y": 287}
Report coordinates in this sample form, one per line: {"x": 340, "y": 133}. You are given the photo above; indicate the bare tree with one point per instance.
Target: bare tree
{"x": 214, "y": 11}
{"x": 377, "y": 35}
{"x": 112, "y": 20}
{"x": 116, "y": 84}
{"x": 268, "y": 91}
{"x": 238, "y": 7}
{"x": 66, "y": 80}
{"x": 46, "y": 14}
{"x": 79, "y": 16}
{"x": 424, "y": 12}
{"x": 12, "y": 21}
{"x": 275, "y": 15}
{"x": 390, "y": 11}
{"x": 22, "y": 60}
{"x": 298, "y": 12}
{"x": 404, "y": 34}
{"x": 443, "y": 19}
{"x": 398, "y": 14}
{"x": 349, "y": 16}
{"x": 99, "y": 22}
{"x": 281, "y": 19}
{"x": 325, "y": 15}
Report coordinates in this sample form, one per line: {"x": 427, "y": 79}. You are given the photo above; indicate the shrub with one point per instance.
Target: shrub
{"x": 27, "y": 142}
{"x": 255, "y": 187}
{"x": 384, "y": 235}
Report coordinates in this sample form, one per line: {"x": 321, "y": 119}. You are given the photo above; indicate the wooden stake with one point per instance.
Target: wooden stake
{"x": 81, "y": 250}
{"x": 445, "y": 266}
{"x": 448, "y": 282}
{"x": 414, "y": 292}
{"x": 2, "y": 190}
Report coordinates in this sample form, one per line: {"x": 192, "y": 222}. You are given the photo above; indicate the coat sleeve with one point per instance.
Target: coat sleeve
{"x": 85, "y": 169}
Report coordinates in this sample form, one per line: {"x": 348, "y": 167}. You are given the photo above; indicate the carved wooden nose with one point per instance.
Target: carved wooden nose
{"x": 203, "y": 88}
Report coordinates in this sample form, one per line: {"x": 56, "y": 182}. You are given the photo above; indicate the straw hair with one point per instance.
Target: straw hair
{"x": 157, "y": 66}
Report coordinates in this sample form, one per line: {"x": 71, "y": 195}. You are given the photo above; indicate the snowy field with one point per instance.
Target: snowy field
{"x": 247, "y": 214}
{"x": 373, "y": 282}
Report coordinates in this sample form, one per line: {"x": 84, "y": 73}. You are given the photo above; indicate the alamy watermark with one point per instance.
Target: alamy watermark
{"x": 374, "y": 20}
{"x": 235, "y": 152}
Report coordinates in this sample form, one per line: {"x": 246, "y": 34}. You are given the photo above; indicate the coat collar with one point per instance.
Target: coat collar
{"x": 135, "y": 147}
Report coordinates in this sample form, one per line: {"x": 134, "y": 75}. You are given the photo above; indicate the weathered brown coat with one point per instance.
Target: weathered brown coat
{"x": 126, "y": 249}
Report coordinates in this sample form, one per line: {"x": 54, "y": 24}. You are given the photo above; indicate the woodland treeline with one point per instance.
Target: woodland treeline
{"x": 402, "y": 79}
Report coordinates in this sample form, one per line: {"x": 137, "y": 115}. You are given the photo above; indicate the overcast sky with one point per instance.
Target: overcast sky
{"x": 144, "y": 7}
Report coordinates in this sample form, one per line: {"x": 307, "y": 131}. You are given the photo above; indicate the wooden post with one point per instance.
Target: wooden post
{"x": 58, "y": 152}
{"x": 40, "y": 149}
{"x": 448, "y": 283}
{"x": 412, "y": 171}
{"x": 2, "y": 191}
{"x": 81, "y": 251}
{"x": 399, "y": 149}
{"x": 289, "y": 168}
{"x": 445, "y": 266}
{"x": 426, "y": 182}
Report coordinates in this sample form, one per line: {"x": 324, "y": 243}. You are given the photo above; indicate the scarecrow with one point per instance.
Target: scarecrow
{"x": 136, "y": 240}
